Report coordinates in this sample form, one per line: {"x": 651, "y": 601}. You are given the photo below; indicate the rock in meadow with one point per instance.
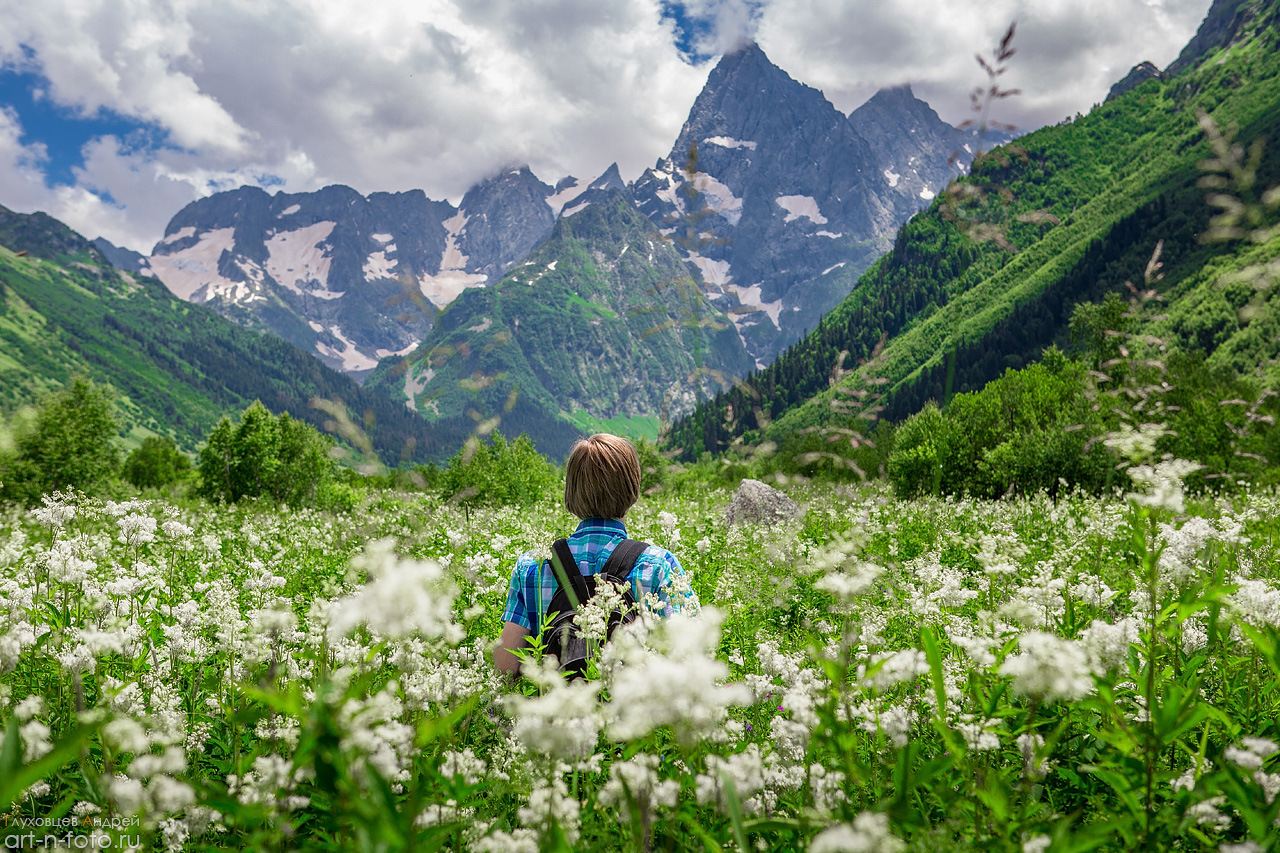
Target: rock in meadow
{"x": 758, "y": 503}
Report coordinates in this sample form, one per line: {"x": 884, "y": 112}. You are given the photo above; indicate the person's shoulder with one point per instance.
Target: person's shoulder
{"x": 526, "y": 563}
{"x": 657, "y": 554}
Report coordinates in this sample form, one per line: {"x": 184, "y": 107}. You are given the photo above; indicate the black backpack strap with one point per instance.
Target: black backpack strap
{"x": 566, "y": 569}
{"x": 623, "y": 559}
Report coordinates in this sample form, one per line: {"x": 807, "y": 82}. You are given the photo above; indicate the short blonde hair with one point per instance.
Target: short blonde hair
{"x": 602, "y": 477}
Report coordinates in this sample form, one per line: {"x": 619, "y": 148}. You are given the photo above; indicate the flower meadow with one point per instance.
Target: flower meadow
{"x": 877, "y": 675}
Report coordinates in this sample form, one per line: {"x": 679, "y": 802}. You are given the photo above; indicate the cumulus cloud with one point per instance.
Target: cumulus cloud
{"x": 721, "y": 25}
{"x": 437, "y": 94}
{"x": 1069, "y": 51}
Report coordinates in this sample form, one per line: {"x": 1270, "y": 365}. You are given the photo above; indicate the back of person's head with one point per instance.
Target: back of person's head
{"x": 602, "y": 477}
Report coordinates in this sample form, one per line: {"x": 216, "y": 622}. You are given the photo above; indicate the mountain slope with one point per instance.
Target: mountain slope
{"x": 783, "y": 190}
{"x": 602, "y": 319}
{"x": 957, "y": 311}
{"x": 350, "y": 278}
{"x": 177, "y": 367}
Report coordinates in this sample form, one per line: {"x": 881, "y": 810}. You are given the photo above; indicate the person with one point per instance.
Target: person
{"x": 602, "y": 482}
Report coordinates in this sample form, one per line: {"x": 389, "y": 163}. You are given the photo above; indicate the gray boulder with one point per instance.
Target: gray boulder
{"x": 758, "y": 503}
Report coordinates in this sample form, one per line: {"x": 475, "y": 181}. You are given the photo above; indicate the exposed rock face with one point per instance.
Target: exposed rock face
{"x": 787, "y": 200}
{"x": 1222, "y": 23}
{"x": 1138, "y": 74}
{"x": 758, "y": 503}
{"x": 351, "y": 278}
{"x": 601, "y": 318}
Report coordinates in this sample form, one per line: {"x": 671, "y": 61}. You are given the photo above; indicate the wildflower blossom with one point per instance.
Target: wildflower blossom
{"x": 403, "y": 597}
{"x": 1049, "y": 668}
{"x": 670, "y": 677}
{"x": 1162, "y": 484}
{"x": 869, "y": 833}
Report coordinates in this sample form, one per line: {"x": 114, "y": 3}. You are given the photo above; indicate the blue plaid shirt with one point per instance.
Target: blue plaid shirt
{"x": 534, "y": 584}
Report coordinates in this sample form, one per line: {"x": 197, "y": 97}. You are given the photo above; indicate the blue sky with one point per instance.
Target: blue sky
{"x": 113, "y": 116}
{"x": 62, "y": 131}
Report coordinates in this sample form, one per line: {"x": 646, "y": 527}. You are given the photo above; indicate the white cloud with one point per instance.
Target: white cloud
{"x": 436, "y": 94}
{"x": 1069, "y": 51}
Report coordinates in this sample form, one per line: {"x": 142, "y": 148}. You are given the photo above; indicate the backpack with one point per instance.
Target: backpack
{"x": 563, "y": 639}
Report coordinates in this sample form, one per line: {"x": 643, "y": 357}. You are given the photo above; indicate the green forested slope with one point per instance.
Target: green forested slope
{"x": 957, "y": 311}
{"x": 176, "y": 367}
{"x": 600, "y": 327}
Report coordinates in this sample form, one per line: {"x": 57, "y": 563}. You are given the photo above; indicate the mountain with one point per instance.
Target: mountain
{"x": 785, "y": 202}
{"x": 177, "y": 368}
{"x": 121, "y": 258}
{"x": 600, "y": 324}
{"x": 348, "y": 277}
{"x": 781, "y": 201}
{"x": 1082, "y": 206}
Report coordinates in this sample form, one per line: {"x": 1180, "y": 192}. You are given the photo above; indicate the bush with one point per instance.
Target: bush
{"x": 156, "y": 463}
{"x": 279, "y": 458}
{"x": 500, "y": 473}
{"x": 920, "y": 449}
{"x": 67, "y": 444}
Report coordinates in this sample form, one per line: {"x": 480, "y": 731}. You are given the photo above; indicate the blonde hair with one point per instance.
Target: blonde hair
{"x": 602, "y": 477}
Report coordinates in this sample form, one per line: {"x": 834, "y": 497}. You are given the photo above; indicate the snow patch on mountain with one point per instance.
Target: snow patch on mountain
{"x": 290, "y": 210}
{"x": 575, "y": 209}
{"x": 444, "y": 287}
{"x": 797, "y": 206}
{"x": 714, "y": 272}
{"x": 385, "y": 353}
{"x": 378, "y": 265}
{"x": 415, "y": 385}
{"x": 180, "y": 234}
{"x": 453, "y": 258}
{"x": 730, "y": 142}
{"x": 350, "y": 357}
{"x": 382, "y": 238}
{"x": 750, "y": 296}
{"x": 188, "y": 270}
{"x": 298, "y": 257}
{"x": 556, "y": 201}
{"x": 926, "y": 193}
{"x": 829, "y": 269}
{"x": 719, "y": 198}
{"x": 891, "y": 176}
{"x": 831, "y": 234}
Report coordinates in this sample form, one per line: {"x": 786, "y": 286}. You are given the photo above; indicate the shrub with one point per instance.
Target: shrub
{"x": 920, "y": 447}
{"x": 500, "y": 473}
{"x": 280, "y": 458}
{"x": 156, "y": 463}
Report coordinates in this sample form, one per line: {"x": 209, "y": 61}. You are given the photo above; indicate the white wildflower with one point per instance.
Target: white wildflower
{"x": 1161, "y": 484}
{"x": 137, "y": 529}
{"x": 635, "y": 781}
{"x": 402, "y": 598}
{"x": 1049, "y": 668}
{"x": 669, "y": 676}
{"x": 869, "y": 833}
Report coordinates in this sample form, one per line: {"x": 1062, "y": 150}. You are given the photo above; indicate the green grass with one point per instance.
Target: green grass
{"x": 633, "y": 426}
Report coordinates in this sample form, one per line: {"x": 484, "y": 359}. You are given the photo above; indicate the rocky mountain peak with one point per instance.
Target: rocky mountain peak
{"x": 1138, "y": 74}
{"x": 747, "y": 97}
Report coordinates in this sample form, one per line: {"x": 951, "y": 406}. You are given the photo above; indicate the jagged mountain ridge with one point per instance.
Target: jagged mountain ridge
{"x": 351, "y": 278}
{"x": 356, "y": 279}
{"x": 792, "y": 199}
{"x": 1085, "y": 206}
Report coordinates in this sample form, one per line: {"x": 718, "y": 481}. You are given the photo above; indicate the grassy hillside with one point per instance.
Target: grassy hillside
{"x": 176, "y": 367}
{"x": 1081, "y": 207}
